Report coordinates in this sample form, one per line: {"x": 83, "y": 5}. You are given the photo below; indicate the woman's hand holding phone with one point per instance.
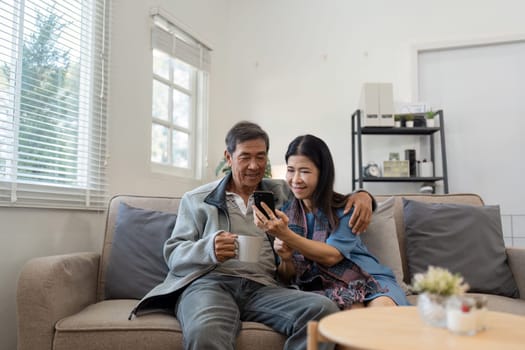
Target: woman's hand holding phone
{"x": 275, "y": 224}
{"x": 265, "y": 197}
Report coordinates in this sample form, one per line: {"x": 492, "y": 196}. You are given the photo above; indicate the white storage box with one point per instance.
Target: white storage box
{"x": 377, "y": 104}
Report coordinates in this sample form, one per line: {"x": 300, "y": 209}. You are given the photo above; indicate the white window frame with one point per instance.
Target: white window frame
{"x": 86, "y": 188}
{"x": 167, "y": 32}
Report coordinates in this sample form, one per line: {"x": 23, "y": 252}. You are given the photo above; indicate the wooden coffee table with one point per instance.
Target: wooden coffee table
{"x": 401, "y": 328}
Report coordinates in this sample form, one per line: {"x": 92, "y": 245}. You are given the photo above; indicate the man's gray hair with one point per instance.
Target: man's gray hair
{"x": 245, "y": 131}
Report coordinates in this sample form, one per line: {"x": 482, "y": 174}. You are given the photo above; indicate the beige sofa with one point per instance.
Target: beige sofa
{"x": 61, "y": 302}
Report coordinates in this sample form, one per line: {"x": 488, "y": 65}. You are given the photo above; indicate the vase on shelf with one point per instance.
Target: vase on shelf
{"x": 430, "y": 123}
{"x": 432, "y": 309}
{"x": 409, "y": 123}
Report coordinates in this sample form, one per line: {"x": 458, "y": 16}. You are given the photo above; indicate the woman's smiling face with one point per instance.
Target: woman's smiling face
{"x": 302, "y": 177}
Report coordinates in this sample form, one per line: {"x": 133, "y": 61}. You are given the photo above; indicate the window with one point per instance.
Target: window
{"x": 53, "y": 69}
{"x": 179, "y": 99}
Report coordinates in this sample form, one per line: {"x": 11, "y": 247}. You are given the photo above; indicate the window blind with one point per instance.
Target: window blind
{"x": 169, "y": 38}
{"x": 53, "y": 88}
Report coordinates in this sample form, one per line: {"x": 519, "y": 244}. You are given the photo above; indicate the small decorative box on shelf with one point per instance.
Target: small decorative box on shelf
{"x": 396, "y": 168}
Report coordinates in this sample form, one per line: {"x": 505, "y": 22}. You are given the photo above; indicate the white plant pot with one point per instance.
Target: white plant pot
{"x": 430, "y": 123}
{"x": 409, "y": 123}
{"x": 432, "y": 309}
{"x": 397, "y": 124}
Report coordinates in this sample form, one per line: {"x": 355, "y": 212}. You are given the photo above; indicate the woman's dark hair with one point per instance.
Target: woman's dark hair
{"x": 324, "y": 196}
{"x": 245, "y": 131}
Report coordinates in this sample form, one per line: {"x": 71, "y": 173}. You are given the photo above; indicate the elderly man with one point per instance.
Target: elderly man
{"x": 212, "y": 292}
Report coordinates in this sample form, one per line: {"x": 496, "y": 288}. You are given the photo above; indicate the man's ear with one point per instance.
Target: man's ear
{"x": 228, "y": 157}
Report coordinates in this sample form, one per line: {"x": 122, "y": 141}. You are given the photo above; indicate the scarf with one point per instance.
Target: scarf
{"x": 344, "y": 283}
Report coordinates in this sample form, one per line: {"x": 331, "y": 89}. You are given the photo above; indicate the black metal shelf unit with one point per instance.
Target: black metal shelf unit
{"x": 357, "y": 149}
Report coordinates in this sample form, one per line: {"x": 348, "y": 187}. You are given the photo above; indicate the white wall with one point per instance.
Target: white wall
{"x": 300, "y": 63}
{"x": 294, "y": 66}
{"x": 28, "y": 233}
{"x": 131, "y": 80}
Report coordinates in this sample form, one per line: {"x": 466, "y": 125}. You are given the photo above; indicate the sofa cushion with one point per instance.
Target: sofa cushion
{"x": 105, "y": 325}
{"x": 136, "y": 263}
{"x": 381, "y": 239}
{"x": 462, "y": 238}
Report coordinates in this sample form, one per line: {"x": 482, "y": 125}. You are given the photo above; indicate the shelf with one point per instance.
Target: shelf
{"x": 358, "y": 132}
{"x": 400, "y": 179}
{"x": 374, "y": 130}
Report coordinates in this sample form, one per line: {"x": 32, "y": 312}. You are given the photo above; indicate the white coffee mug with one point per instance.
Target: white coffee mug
{"x": 249, "y": 248}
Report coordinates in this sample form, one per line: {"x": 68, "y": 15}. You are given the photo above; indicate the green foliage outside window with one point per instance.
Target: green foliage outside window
{"x": 49, "y": 105}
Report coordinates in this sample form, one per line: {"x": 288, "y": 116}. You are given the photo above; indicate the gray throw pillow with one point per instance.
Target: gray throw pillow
{"x": 381, "y": 239}
{"x": 462, "y": 238}
{"x": 136, "y": 262}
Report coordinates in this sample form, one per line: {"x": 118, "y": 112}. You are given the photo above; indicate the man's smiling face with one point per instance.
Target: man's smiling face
{"x": 248, "y": 163}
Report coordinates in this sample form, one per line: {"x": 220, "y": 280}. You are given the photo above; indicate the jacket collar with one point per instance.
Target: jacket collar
{"x": 217, "y": 196}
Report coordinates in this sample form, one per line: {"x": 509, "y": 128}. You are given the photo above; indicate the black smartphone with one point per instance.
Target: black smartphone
{"x": 266, "y": 197}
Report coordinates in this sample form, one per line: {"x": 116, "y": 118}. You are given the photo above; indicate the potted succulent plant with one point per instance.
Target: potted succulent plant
{"x": 409, "y": 120}
{"x": 397, "y": 120}
{"x": 430, "y": 119}
{"x": 434, "y": 287}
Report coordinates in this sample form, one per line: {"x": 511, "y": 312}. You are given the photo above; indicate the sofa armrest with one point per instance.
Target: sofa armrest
{"x": 50, "y": 288}
{"x": 516, "y": 257}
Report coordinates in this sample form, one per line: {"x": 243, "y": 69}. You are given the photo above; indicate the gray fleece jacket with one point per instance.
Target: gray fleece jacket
{"x": 189, "y": 252}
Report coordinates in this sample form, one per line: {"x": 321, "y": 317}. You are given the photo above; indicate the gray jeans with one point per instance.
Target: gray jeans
{"x": 211, "y": 310}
